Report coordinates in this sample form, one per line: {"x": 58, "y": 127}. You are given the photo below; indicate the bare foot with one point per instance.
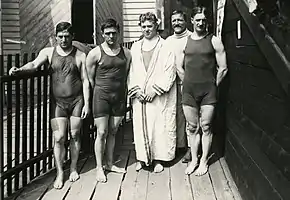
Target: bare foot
{"x": 138, "y": 166}
{"x": 113, "y": 168}
{"x": 202, "y": 169}
{"x": 58, "y": 183}
{"x": 74, "y": 176}
{"x": 158, "y": 168}
{"x": 191, "y": 167}
{"x": 101, "y": 177}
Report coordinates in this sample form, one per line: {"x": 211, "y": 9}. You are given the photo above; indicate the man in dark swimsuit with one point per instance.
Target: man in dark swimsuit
{"x": 108, "y": 66}
{"x": 70, "y": 97}
{"x": 202, "y": 52}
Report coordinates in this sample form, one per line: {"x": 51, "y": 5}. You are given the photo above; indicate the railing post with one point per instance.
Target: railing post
{"x": 1, "y": 141}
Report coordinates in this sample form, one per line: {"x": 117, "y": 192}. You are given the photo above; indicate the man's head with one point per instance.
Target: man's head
{"x": 149, "y": 25}
{"x": 199, "y": 17}
{"x": 110, "y": 31}
{"x": 178, "y": 21}
{"x": 64, "y": 34}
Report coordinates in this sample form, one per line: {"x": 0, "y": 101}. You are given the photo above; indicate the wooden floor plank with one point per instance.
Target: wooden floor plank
{"x": 180, "y": 185}
{"x": 220, "y": 183}
{"x": 52, "y": 193}
{"x": 159, "y": 185}
{"x": 141, "y": 186}
{"x": 230, "y": 179}
{"x": 129, "y": 183}
{"x": 84, "y": 188}
{"x": 111, "y": 189}
{"x": 202, "y": 187}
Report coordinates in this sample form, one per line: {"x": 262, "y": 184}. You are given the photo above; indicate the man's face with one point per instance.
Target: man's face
{"x": 111, "y": 35}
{"x": 149, "y": 29}
{"x": 199, "y": 22}
{"x": 178, "y": 23}
{"x": 64, "y": 39}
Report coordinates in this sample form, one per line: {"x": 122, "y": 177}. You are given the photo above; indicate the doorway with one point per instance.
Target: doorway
{"x": 82, "y": 20}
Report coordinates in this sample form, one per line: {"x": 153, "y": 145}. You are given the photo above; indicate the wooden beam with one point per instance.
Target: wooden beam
{"x": 95, "y": 21}
{"x": 273, "y": 54}
{"x": 0, "y": 28}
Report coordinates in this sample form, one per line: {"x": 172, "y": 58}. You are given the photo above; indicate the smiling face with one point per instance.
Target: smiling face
{"x": 111, "y": 35}
{"x": 149, "y": 29}
{"x": 199, "y": 22}
{"x": 178, "y": 23}
{"x": 64, "y": 39}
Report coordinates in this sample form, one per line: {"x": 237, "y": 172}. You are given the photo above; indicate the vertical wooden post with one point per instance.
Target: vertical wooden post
{"x": 95, "y": 21}
{"x": 1, "y": 29}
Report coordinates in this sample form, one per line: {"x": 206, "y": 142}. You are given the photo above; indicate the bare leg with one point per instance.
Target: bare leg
{"x": 114, "y": 123}
{"x": 75, "y": 146}
{"x": 192, "y": 116}
{"x": 102, "y": 129}
{"x": 59, "y": 128}
{"x": 207, "y": 112}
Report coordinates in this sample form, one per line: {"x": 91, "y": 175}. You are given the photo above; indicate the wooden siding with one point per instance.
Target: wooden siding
{"x": 257, "y": 113}
{"x": 131, "y": 11}
{"x": 10, "y": 27}
{"x": 38, "y": 20}
{"x": 108, "y": 9}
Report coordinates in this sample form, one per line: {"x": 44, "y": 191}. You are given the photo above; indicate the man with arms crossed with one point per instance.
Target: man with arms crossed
{"x": 108, "y": 66}
{"x": 202, "y": 51}
{"x": 178, "y": 41}
{"x": 70, "y": 95}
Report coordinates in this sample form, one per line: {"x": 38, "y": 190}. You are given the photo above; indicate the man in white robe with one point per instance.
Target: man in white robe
{"x": 151, "y": 85}
{"x": 177, "y": 43}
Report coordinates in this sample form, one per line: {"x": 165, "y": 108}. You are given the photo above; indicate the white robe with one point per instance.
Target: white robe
{"x": 154, "y": 123}
{"x": 177, "y": 43}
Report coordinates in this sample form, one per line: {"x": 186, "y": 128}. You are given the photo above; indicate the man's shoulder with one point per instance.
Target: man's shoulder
{"x": 47, "y": 50}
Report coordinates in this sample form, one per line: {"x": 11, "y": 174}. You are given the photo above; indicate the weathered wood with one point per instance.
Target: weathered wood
{"x": 52, "y": 193}
{"x": 159, "y": 185}
{"x": 85, "y": 187}
{"x": 128, "y": 190}
{"x": 272, "y": 52}
{"x": 220, "y": 184}
{"x": 267, "y": 177}
{"x": 202, "y": 187}
{"x": 110, "y": 190}
{"x": 179, "y": 182}
{"x": 230, "y": 179}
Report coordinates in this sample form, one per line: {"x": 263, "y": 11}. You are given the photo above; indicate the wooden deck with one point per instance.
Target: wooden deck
{"x": 171, "y": 184}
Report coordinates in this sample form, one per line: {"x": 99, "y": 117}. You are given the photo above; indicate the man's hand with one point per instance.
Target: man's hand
{"x": 140, "y": 96}
{"x": 85, "y": 112}
{"x": 14, "y": 71}
{"x": 150, "y": 96}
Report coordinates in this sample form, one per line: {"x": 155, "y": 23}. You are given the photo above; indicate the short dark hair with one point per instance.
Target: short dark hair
{"x": 180, "y": 12}
{"x": 198, "y": 10}
{"x": 149, "y": 16}
{"x": 110, "y": 23}
{"x": 64, "y": 26}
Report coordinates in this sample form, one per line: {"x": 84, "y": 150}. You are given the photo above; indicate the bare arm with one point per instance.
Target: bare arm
{"x": 84, "y": 77}
{"x": 129, "y": 59}
{"x": 42, "y": 57}
{"x": 91, "y": 63}
{"x": 220, "y": 55}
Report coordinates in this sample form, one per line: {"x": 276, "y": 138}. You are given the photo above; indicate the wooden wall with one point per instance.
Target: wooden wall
{"x": 131, "y": 12}
{"x": 38, "y": 20}
{"x": 10, "y": 28}
{"x": 108, "y": 9}
{"x": 257, "y": 112}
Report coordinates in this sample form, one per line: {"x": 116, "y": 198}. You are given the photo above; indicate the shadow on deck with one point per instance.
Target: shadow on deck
{"x": 171, "y": 184}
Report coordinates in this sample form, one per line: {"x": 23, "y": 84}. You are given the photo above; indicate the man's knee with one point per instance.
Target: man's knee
{"x": 102, "y": 133}
{"x": 59, "y": 137}
{"x": 113, "y": 130}
{"x": 205, "y": 127}
{"x": 191, "y": 128}
{"x": 75, "y": 135}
